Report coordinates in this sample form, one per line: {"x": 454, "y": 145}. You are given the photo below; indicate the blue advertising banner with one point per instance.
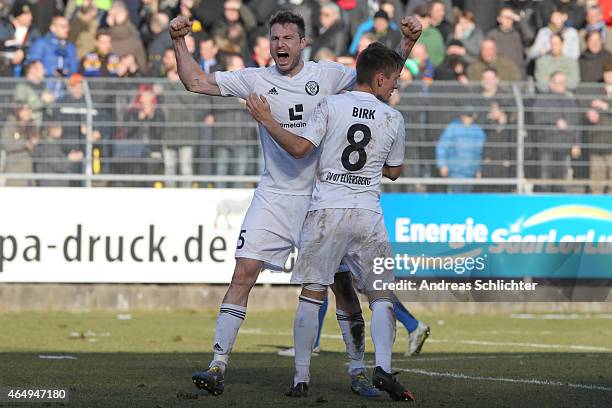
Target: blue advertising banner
{"x": 555, "y": 236}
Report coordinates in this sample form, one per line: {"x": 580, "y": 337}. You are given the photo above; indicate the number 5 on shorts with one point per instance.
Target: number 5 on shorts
{"x": 241, "y": 239}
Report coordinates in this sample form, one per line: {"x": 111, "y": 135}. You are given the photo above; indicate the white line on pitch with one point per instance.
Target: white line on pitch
{"x": 561, "y": 316}
{"x": 520, "y": 344}
{"x": 257, "y": 331}
{"x": 262, "y": 332}
{"x": 502, "y": 379}
{"x": 415, "y": 359}
{"x": 428, "y": 359}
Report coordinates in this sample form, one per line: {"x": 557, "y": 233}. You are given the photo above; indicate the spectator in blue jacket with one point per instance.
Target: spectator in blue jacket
{"x": 56, "y": 53}
{"x": 459, "y": 150}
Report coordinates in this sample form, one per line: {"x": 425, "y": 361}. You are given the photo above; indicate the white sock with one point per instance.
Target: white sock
{"x": 228, "y": 322}
{"x": 382, "y": 328}
{"x": 305, "y": 327}
{"x": 353, "y": 333}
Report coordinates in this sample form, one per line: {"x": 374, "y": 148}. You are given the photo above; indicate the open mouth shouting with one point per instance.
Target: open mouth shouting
{"x": 283, "y": 59}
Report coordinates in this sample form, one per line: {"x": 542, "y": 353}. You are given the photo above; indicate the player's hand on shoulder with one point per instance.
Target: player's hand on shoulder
{"x": 411, "y": 28}
{"x": 259, "y": 108}
{"x": 179, "y": 27}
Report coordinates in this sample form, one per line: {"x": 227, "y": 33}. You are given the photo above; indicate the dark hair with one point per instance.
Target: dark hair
{"x": 205, "y": 37}
{"x": 421, "y": 10}
{"x": 381, "y": 14}
{"x": 260, "y": 32}
{"x": 374, "y": 59}
{"x": 432, "y": 3}
{"x": 101, "y": 32}
{"x": 468, "y": 15}
{"x": 558, "y": 35}
{"x": 559, "y": 9}
{"x": 56, "y": 17}
{"x": 283, "y": 17}
{"x": 589, "y": 34}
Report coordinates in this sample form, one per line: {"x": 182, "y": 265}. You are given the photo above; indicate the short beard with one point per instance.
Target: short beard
{"x": 291, "y": 67}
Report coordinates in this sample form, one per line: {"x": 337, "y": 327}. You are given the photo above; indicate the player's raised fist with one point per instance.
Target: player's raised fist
{"x": 179, "y": 27}
{"x": 411, "y": 28}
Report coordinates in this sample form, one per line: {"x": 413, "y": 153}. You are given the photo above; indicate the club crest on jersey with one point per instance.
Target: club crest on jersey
{"x": 312, "y": 88}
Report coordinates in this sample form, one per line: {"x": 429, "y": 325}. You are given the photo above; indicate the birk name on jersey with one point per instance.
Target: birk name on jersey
{"x": 363, "y": 113}
{"x": 348, "y": 178}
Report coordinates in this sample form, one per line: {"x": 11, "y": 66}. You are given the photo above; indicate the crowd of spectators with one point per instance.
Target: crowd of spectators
{"x": 53, "y": 45}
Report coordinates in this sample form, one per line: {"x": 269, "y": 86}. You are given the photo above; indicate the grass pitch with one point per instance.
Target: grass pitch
{"x": 146, "y": 361}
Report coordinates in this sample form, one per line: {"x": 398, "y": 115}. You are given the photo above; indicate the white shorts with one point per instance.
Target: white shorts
{"x": 271, "y": 228}
{"x": 353, "y": 236}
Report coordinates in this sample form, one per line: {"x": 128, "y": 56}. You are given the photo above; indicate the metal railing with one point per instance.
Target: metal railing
{"x": 151, "y": 132}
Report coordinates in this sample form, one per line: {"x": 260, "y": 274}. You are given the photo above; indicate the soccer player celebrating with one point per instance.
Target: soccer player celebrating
{"x": 360, "y": 139}
{"x": 274, "y": 219}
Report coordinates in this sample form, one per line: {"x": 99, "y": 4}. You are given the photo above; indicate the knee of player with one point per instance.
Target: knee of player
{"x": 244, "y": 276}
{"x": 378, "y": 295}
{"x": 343, "y": 285}
{"x": 346, "y": 297}
{"x": 314, "y": 291}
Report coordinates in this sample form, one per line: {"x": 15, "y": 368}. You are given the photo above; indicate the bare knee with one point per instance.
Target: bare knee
{"x": 244, "y": 278}
{"x": 314, "y": 291}
{"x": 246, "y": 272}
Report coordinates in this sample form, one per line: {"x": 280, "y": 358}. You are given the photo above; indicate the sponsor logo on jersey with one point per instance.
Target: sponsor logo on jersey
{"x": 312, "y": 88}
{"x": 294, "y": 113}
{"x": 348, "y": 178}
{"x": 293, "y": 125}
{"x": 273, "y": 91}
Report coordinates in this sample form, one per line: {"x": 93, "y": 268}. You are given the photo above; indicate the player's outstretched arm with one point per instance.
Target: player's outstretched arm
{"x": 192, "y": 76}
{"x": 411, "y": 29}
{"x": 392, "y": 173}
{"x": 295, "y": 145}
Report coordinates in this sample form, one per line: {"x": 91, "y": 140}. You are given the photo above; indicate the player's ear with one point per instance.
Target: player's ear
{"x": 303, "y": 43}
{"x": 380, "y": 79}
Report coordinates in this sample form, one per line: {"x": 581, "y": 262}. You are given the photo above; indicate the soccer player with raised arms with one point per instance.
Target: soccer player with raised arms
{"x": 274, "y": 219}
{"x": 360, "y": 139}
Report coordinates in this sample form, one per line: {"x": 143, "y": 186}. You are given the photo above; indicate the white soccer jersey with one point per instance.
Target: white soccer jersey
{"x": 292, "y": 101}
{"x": 357, "y": 134}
